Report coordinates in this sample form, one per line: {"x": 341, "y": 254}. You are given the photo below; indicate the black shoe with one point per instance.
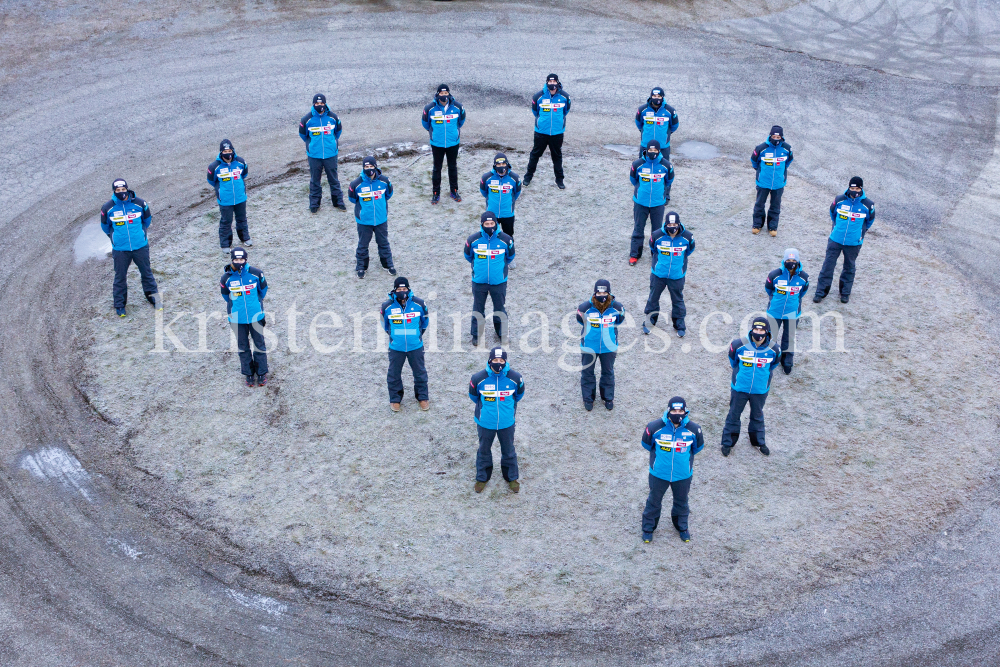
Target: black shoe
{"x": 844, "y": 298}
{"x": 764, "y": 450}
{"x": 787, "y": 369}
{"x": 340, "y": 206}
{"x": 251, "y": 382}
{"x": 610, "y": 405}
{"x": 817, "y": 298}
{"x": 436, "y": 197}
{"x": 560, "y": 184}
{"x": 391, "y": 270}
{"x": 361, "y": 273}
{"x": 588, "y": 406}
{"x": 726, "y": 450}
{"x": 314, "y": 209}
{"x": 475, "y": 341}
{"x": 262, "y": 380}
{"x": 527, "y": 179}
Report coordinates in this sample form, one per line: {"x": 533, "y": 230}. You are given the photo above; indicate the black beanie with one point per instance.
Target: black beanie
{"x": 676, "y": 403}
{"x": 118, "y": 183}
{"x": 488, "y": 215}
{"x": 856, "y": 180}
{"x": 606, "y": 284}
{"x": 671, "y": 217}
{"x": 369, "y": 160}
{"x": 497, "y": 353}
{"x": 552, "y": 76}
{"x": 443, "y": 88}
{"x": 762, "y": 321}
{"x": 400, "y": 280}
{"x": 776, "y": 129}
{"x": 319, "y": 97}
{"x": 237, "y": 253}
{"x": 226, "y": 143}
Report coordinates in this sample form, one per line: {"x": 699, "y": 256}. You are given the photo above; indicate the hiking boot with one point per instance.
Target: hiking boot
{"x": 361, "y": 273}
{"x": 685, "y": 536}
{"x": 120, "y": 312}
{"x": 527, "y": 179}
{"x": 479, "y": 487}
{"x": 425, "y": 405}
{"x": 844, "y": 298}
{"x": 610, "y": 405}
{"x": 514, "y": 485}
{"x": 681, "y": 333}
{"x": 250, "y": 381}
{"x": 817, "y": 298}
{"x": 726, "y": 450}
{"x": 454, "y": 195}
{"x": 340, "y": 206}
{"x": 756, "y": 230}
{"x": 390, "y": 269}
{"x": 588, "y": 406}
{"x": 647, "y": 538}
{"x": 787, "y": 369}
{"x": 395, "y": 407}
{"x": 435, "y": 198}
{"x": 632, "y": 261}
{"x": 314, "y": 209}
{"x": 773, "y": 232}
{"x": 560, "y": 184}
{"x": 262, "y": 380}
{"x": 764, "y": 450}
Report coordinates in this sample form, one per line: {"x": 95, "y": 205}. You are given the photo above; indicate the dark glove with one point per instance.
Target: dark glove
{"x": 263, "y": 321}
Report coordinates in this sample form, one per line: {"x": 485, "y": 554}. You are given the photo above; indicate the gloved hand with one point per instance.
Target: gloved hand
{"x": 263, "y": 321}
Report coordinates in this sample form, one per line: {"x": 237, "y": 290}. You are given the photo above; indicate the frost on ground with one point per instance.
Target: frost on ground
{"x": 871, "y": 446}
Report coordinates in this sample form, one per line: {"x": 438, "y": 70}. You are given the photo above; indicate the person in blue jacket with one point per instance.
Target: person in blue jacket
{"x": 490, "y": 252}
{"x": 770, "y": 160}
{"x": 672, "y": 441}
{"x": 404, "y": 318}
{"x": 443, "y": 119}
{"x": 320, "y": 130}
{"x": 244, "y": 288}
{"x": 227, "y": 175}
{"x": 852, "y": 214}
{"x": 670, "y": 246}
{"x": 501, "y": 187}
{"x": 125, "y": 219}
{"x": 370, "y": 193}
{"x": 496, "y": 391}
{"x": 651, "y": 178}
{"x": 656, "y": 120}
{"x": 786, "y": 287}
{"x": 753, "y": 360}
{"x": 549, "y": 106}
{"x": 600, "y": 318}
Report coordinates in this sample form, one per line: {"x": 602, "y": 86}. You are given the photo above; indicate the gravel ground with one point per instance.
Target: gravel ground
{"x": 379, "y": 507}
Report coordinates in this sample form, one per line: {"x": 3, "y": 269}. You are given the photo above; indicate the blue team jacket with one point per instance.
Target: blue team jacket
{"x": 753, "y": 365}
{"x": 244, "y": 292}
{"x": 851, "y": 218}
{"x": 404, "y": 323}
{"x": 370, "y": 197}
{"x": 672, "y": 448}
{"x": 656, "y": 124}
{"x": 489, "y": 256}
{"x": 496, "y": 396}
{"x": 501, "y": 192}
{"x": 126, "y": 221}
{"x": 321, "y": 132}
{"x": 651, "y": 181}
{"x": 444, "y": 123}
{"x": 785, "y": 293}
{"x": 228, "y": 180}
{"x": 670, "y": 255}
{"x": 550, "y": 111}
{"x": 771, "y": 163}
{"x": 600, "y": 330}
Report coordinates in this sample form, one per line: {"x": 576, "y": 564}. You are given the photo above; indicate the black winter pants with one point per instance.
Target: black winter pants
{"x": 678, "y": 513}
{"x": 773, "y": 212}
{"x": 639, "y": 215}
{"x": 484, "y": 457}
{"x": 439, "y": 155}
{"x": 678, "y": 311}
{"x": 588, "y": 379}
{"x": 394, "y": 378}
{"x": 122, "y": 260}
{"x": 316, "y": 168}
{"x": 381, "y": 233}
{"x": 833, "y": 250}
{"x": 253, "y": 360}
{"x": 226, "y": 224}
{"x": 554, "y": 143}
{"x": 498, "y": 295}
{"x": 737, "y": 403}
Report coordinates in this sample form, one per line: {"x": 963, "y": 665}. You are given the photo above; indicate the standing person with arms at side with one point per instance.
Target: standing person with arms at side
{"x": 496, "y": 392}
{"x": 125, "y": 220}
{"x": 770, "y": 160}
{"x": 786, "y": 287}
{"x": 670, "y": 245}
{"x": 656, "y": 120}
{"x": 227, "y": 175}
{"x": 549, "y": 106}
{"x": 370, "y": 193}
{"x": 443, "y": 119}
{"x": 672, "y": 441}
{"x": 320, "y": 129}
{"x": 651, "y": 178}
{"x": 404, "y": 318}
{"x": 600, "y": 318}
{"x": 501, "y": 187}
{"x": 490, "y": 252}
{"x": 244, "y": 288}
{"x": 753, "y": 361}
{"x": 852, "y": 214}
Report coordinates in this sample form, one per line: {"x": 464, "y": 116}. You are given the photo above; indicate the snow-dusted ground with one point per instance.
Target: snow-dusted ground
{"x": 869, "y": 446}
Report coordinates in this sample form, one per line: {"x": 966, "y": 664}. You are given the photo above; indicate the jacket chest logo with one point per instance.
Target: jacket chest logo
{"x": 370, "y": 194}
{"x": 486, "y": 252}
{"x": 226, "y": 174}
{"x": 667, "y": 444}
{"x": 750, "y": 360}
{"x": 317, "y": 130}
{"x": 596, "y": 320}
{"x": 647, "y": 175}
{"x": 444, "y": 118}
{"x": 788, "y": 289}
{"x": 770, "y": 159}
{"x": 237, "y": 289}
{"x": 671, "y": 250}
{"x": 653, "y": 119}
{"x": 403, "y": 318}
{"x": 120, "y": 218}
{"x": 846, "y": 213}
{"x": 550, "y": 106}
{"x": 498, "y": 187}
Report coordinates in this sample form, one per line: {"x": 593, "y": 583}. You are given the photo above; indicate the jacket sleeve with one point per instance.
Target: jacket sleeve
{"x": 212, "y": 180}
{"x": 385, "y": 319}
{"x": 473, "y": 390}
{"x": 246, "y": 168}
{"x": 534, "y": 103}
{"x": 147, "y": 216}
{"x": 638, "y": 117}
{"x": 388, "y": 190}
{"x": 262, "y": 286}
{"x": 352, "y": 196}
{"x": 517, "y": 188}
{"x": 303, "y": 132}
{"x": 755, "y": 158}
{"x": 699, "y": 439}
{"x": 468, "y": 251}
{"x": 426, "y": 118}
{"x": 653, "y": 238}
{"x": 338, "y": 128}
{"x": 424, "y": 319}
{"x": 805, "y": 288}
{"x": 224, "y": 288}
{"x": 691, "y": 246}
{"x": 569, "y": 102}
{"x": 871, "y": 216}
{"x": 579, "y": 314}
{"x": 461, "y": 116}
{"x": 791, "y": 157}
{"x": 732, "y": 354}
{"x": 482, "y": 185}
{"x": 769, "y": 282}
{"x": 833, "y": 213}
{"x": 510, "y": 250}
{"x": 674, "y": 122}
{"x": 647, "y": 437}
{"x": 667, "y": 182}
{"x": 633, "y": 175}
{"x": 105, "y": 225}
{"x": 519, "y": 392}
{"x": 620, "y": 318}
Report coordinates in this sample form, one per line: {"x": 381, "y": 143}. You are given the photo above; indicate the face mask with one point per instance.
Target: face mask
{"x": 553, "y": 87}
{"x": 758, "y": 337}
{"x": 443, "y": 100}
{"x": 775, "y": 142}
{"x": 238, "y": 265}
{"x": 320, "y": 108}
{"x": 657, "y": 102}
{"x": 370, "y": 173}
{"x": 227, "y": 156}
{"x": 791, "y": 266}
{"x": 496, "y": 367}
{"x": 501, "y": 169}
{"x": 853, "y": 195}
{"x": 674, "y": 418}
{"x": 489, "y": 229}
{"x": 601, "y": 297}
{"x": 673, "y": 229}
{"x": 122, "y": 196}
{"x": 402, "y": 296}
{"x": 653, "y": 155}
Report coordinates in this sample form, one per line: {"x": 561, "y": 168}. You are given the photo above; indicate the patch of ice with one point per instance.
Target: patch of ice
{"x": 625, "y": 149}
{"x": 92, "y": 243}
{"x": 698, "y": 150}
{"x": 125, "y": 548}
{"x": 59, "y": 465}
{"x": 259, "y": 602}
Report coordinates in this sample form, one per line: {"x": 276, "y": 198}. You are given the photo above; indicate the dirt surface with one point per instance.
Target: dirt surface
{"x": 104, "y": 562}
{"x": 379, "y": 507}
